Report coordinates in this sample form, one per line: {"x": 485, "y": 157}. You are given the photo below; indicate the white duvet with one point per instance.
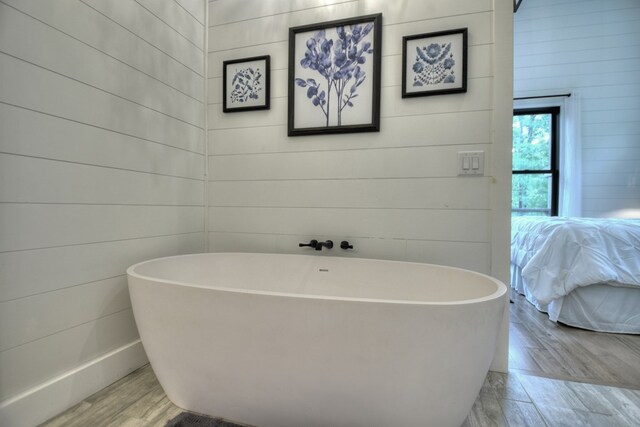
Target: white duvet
{"x": 557, "y": 255}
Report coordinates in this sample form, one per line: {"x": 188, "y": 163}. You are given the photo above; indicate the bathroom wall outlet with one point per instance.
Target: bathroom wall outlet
{"x": 470, "y": 163}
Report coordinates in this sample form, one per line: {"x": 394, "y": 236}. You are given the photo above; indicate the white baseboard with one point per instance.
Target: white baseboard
{"x": 48, "y": 399}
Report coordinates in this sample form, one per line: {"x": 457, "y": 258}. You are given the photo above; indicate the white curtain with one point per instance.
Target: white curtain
{"x": 570, "y": 156}
{"x": 570, "y": 203}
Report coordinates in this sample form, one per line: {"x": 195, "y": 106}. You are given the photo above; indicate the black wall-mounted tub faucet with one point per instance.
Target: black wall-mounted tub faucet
{"x": 328, "y": 244}
{"x": 312, "y": 244}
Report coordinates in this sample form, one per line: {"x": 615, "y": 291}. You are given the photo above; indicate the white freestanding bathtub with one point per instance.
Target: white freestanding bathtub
{"x": 314, "y": 341}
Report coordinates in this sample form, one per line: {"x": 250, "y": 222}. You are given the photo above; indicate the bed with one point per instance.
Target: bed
{"x": 583, "y": 272}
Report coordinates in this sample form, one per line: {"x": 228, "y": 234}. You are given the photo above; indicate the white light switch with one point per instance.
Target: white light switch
{"x": 471, "y": 163}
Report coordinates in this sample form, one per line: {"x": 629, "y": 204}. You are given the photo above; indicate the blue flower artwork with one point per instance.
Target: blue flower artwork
{"x": 333, "y": 83}
{"x": 434, "y": 63}
{"x": 246, "y": 84}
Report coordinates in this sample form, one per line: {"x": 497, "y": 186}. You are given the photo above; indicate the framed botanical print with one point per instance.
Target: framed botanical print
{"x": 434, "y": 63}
{"x": 245, "y": 84}
{"x": 334, "y": 76}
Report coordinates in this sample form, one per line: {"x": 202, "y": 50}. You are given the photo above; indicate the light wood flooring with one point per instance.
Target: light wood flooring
{"x": 559, "y": 376}
{"x": 540, "y": 347}
{"x": 133, "y": 401}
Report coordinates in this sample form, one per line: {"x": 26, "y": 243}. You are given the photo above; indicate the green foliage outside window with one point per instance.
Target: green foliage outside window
{"x": 531, "y": 193}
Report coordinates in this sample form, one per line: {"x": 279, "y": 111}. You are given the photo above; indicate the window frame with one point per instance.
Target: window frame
{"x": 554, "y": 162}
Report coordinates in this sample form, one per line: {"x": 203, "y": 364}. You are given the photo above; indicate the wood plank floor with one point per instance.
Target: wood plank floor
{"x": 540, "y": 347}
{"x": 559, "y": 376}
{"x": 133, "y": 401}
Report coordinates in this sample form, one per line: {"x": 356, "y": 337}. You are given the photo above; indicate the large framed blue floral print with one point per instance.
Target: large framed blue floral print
{"x": 434, "y": 63}
{"x": 334, "y": 76}
{"x": 245, "y": 84}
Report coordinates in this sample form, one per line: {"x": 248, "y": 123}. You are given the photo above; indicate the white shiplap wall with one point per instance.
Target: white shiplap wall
{"x": 593, "y": 47}
{"x": 393, "y": 194}
{"x": 102, "y": 160}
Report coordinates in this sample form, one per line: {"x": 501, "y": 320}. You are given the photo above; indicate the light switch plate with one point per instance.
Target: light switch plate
{"x": 470, "y": 163}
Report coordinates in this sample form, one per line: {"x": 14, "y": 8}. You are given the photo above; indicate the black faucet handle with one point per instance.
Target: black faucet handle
{"x": 345, "y": 245}
{"x": 329, "y": 244}
{"x": 313, "y": 243}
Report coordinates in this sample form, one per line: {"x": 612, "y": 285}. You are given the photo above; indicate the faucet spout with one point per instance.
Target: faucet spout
{"x": 328, "y": 244}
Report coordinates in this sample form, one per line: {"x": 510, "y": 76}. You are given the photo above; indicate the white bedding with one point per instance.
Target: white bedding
{"x": 557, "y": 255}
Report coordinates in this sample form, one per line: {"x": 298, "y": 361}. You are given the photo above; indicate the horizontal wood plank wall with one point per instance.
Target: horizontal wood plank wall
{"x": 593, "y": 47}
{"x": 393, "y": 194}
{"x": 102, "y": 163}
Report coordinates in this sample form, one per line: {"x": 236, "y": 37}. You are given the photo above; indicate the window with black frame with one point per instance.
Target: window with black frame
{"x": 535, "y": 162}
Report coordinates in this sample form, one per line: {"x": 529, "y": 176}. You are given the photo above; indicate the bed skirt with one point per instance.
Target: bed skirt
{"x": 599, "y": 307}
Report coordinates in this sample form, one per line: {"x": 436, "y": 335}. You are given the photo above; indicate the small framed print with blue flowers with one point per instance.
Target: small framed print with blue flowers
{"x": 245, "y": 84}
{"x": 434, "y": 63}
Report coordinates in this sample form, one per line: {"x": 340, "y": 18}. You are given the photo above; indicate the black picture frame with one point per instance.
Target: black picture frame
{"x": 516, "y": 5}
{"x": 246, "y": 84}
{"x": 313, "y": 84}
{"x": 434, "y": 63}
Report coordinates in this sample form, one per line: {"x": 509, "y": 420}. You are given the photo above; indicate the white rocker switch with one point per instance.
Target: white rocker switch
{"x": 475, "y": 163}
{"x": 470, "y": 163}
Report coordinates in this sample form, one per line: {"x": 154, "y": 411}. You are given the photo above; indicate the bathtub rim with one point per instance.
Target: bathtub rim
{"x": 500, "y": 292}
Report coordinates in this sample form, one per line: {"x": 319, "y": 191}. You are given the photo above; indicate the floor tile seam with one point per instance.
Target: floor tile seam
{"x": 507, "y": 388}
{"x": 572, "y": 399}
{"x": 625, "y": 403}
{"x": 613, "y": 406}
{"x": 615, "y": 412}
{"x": 546, "y": 424}
{"x": 517, "y": 376}
{"x": 569, "y": 363}
{"x": 581, "y": 380}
